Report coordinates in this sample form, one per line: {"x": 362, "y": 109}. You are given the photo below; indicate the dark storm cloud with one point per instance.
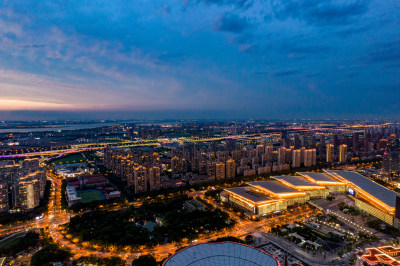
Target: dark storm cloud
{"x": 316, "y": 12}
{"x": 232, "y": 23}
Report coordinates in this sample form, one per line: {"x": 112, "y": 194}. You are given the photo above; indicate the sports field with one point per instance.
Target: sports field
{"x": 90, "y": 195}
{"x": 74, "y": 158}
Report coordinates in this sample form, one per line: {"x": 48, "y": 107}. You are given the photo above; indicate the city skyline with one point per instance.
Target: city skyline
{"x": 305, "y": 192}
{"x": 199, "y": 59}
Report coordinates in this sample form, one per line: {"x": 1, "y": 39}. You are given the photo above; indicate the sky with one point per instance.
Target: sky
{"x": 265, "y": 59}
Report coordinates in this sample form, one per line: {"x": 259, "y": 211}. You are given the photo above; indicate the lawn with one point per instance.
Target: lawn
{"x": 90, "y": 195}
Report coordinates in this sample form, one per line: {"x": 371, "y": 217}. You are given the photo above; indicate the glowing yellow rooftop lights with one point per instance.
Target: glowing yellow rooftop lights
{"x": 320, "y": 182}
{"x": 253, "y": 203}
{"x": 279, "y": 195}
{"x": 300, "y": 187}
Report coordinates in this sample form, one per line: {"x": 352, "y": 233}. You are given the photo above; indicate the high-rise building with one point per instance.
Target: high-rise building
{"x": 175, "y": 165}
{"x": 322, "y": 140}
{"x": 155, "y": 178}
{"x": 211, "y": 168}
{"x": 313, "y": 142}
{"x": 140, "y": 179}
{"x": 355, "y": 142}
{"x": 27, "y": 193}
{"x": 391, "y": 162}
{"x": 310, "y": 157}
{"x": 4, "y": 197}
{"x": 282, "y": 155}
{"x": 302, "y": 153}
{"x": 220, "y": 171}
{"x": 330, "y": 149}
{"x": 269, "y": 149}
{"x": 230, "y": 168}
{"x": 335, "y": 140}
{"x": 260, "y": 150}
{"x": 297, "y": 142}
{"x": 202, "y": 163}
{"x": 343, "y": 153}
{"x": 296, "y": 158}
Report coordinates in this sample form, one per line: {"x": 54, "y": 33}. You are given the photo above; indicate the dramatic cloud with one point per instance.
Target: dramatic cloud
{"x": 321, "y": 12}
{"x": 235, "y": 3}
{"x": 385, "y": 52}
{"x": 232, "y": 23}
{"x": 285, "y": 73}
{"x": 201, "y": 57}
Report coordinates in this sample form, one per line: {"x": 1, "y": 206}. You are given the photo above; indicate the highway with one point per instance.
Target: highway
{"x": 127, "y": 143}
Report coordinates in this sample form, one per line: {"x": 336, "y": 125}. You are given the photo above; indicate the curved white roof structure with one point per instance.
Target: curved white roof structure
{"x": 221, "y": 254}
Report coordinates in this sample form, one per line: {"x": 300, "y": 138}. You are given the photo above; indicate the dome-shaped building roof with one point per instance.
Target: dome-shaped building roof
{"x": 226, "y": 253}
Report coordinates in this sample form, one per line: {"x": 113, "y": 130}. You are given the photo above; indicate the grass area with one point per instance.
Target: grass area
{"x": 69, "y": 159}
{"x": 89, "y": 196}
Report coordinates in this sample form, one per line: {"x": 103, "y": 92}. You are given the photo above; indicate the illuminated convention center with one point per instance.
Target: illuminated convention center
{"x": 226, "y": 253}
{"x": 264, "y": 197}
{"x": 375, "y": 199}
